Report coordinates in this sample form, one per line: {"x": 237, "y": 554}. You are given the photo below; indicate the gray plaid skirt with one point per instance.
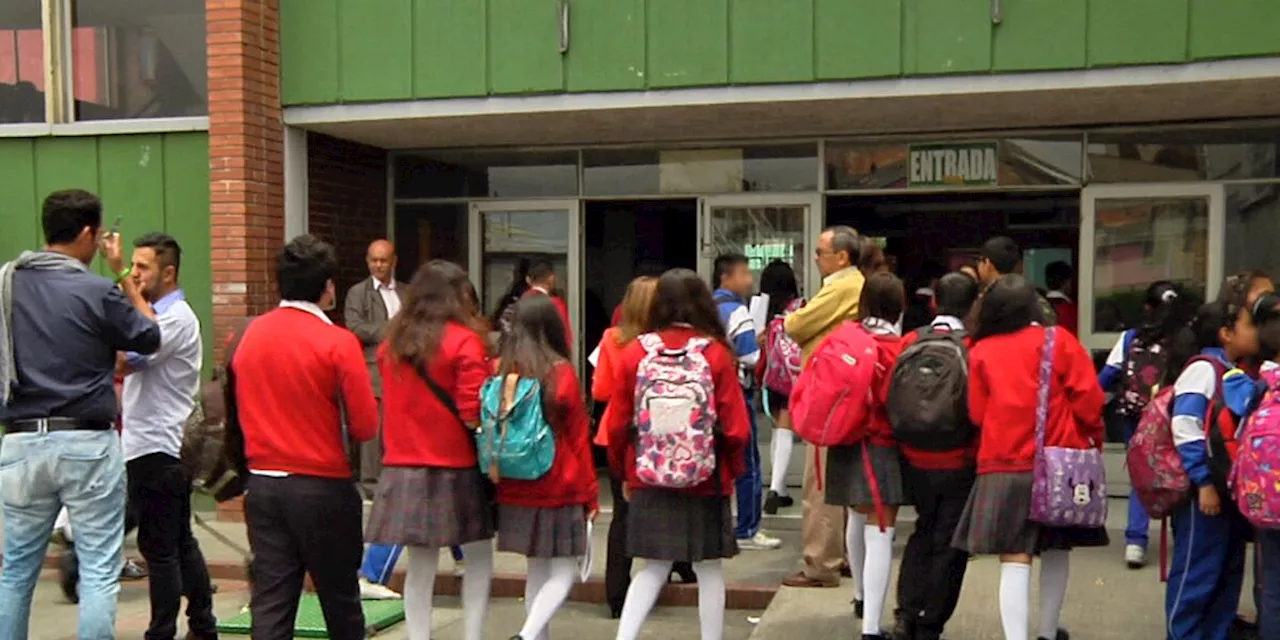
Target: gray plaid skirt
{"x": 534, "y": 532}
{"x": 430, "y": 507}
{"x": 679, "y": 526}
{"x": 845, "y": 477}
{"x": 996, "y": 521}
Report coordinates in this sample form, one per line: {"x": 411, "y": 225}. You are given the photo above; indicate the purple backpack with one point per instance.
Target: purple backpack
{"x": 1255, "y": 478}
{"x": 1070, "y": 485}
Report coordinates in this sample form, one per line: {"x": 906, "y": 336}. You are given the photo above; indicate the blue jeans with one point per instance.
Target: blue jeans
{"x": 380, "y": 561}
{"x": 1138, "y": 530}
{"x": 39, "y": 473}
{"x": 1268, "y": 552}
{"x": 750, "y": 486}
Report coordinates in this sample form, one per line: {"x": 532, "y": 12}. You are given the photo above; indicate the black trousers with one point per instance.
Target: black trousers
{"x": 300, "y": 525}
{"x": 160, "y": 493}
{"x": 932, "y": 571}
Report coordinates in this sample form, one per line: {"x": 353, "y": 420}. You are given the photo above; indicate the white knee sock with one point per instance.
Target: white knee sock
{"x": 781, "y": 447}
{"x": 1015, "y": 599}
{"x": 539, "y": 570}
{"x": 641, "y": 595}
{"x": 856, "y": 546}
{"x": 419, "y": 588}
{"x": 1055, "y": 568}
{"x": 875, "y": 575}
{"x": 475, "y": 586}
{"x": 546, "y": 600}
{"x": 711, "y": 597}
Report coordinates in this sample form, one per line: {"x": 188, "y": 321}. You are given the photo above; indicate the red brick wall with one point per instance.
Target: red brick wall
{"x": 346, "y": 201}
{"x": 246, "y": 157}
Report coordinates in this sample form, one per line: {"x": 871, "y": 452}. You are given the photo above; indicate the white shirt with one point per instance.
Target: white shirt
{"x": 389, "y": 296}
{"x": 161, "y": 392}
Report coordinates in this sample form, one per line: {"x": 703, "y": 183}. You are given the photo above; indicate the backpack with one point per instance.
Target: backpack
{"x": 212, "y": 442}
{"x": 831, "y": 401}
{"x": 928, "y": 403}
{"x": 675, "y": 414}
{"x": 782, "y": 357}
{"x": 514, "y": 440}
{"x": 1255, "y": 478}
{"x": 1144, "y": 366}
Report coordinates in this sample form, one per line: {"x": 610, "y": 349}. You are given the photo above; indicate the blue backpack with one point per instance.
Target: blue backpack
{"x": 514, "y": 440}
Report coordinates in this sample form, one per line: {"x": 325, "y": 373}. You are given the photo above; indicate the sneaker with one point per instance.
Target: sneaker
{"x": 759, "y": 542}
{"x": 774, "y": 501}
{"x": 375, "y": 591}
{"x": 1135, "y": 556}
{"x": 132, "y": 571}
{"x": 459, "y": 568}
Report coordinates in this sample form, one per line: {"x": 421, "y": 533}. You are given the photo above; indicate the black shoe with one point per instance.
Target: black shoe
{"x": 857, "y": 608}
{"x": 685, "y": 573}
{"x": 871, "y": 636}
{"x": 69, "y": 575}
{"x": 615, "y": 611}
{"x": 1242, "y": 629}
{"x": 1061, "y": 635}
{"x": 904, "y": 627}
{"x": 773, "y": 501}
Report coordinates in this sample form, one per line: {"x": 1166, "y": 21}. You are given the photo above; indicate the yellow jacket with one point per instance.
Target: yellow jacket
{"x": 835, "y": 303}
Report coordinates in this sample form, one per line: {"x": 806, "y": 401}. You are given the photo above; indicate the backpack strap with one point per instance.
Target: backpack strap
{"x": 1046, "y": 379}
{"x": 696, "y": 345}
{"x": 652, "y": 343}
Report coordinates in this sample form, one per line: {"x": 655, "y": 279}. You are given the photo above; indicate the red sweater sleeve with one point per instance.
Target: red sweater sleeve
{"x": 1082, "y": 390}
{"x": 578, "y": 432}
{"x": 622, "y": 406}
{"x": 470, "y": 369}
{"x": 603, "y": 380}
{"x": 979, "y": 393}
{"x": 731, "y": 408}
{"x": 357, "y": 388}
{"x": 564, "y": 317}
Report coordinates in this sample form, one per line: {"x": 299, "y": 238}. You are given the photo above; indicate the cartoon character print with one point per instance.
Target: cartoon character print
{"x": 675, "y": 414}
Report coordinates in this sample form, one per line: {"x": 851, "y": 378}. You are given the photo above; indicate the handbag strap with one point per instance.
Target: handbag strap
{"x": 1042, "y": 393}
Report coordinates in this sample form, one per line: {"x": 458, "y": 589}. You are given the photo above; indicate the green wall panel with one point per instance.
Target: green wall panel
{"x": 771, "y": 41}
{"x": 688, "y": 43}
{"x": 19, "y": 206}
{"x": 1040, "y": 34}
{"x": 379, "y": 65}
{"x": 133, "y": 183}
{"x": 309, "y": 51}
{"x": 857, "y": 38}
{"x": 1229, "y": 28}
{"x": 1137, "y": 32}
{"x": 66, "y": 163}
{"x": 186, "y": 217}
{"x": 947, "y": 36}
{"x": 524, "y": 47}
{"x": 449, "y": 53}
{"x": 607, "y": 48}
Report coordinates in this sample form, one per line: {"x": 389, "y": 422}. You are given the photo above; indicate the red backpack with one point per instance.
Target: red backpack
{"x": 831, "y": 400}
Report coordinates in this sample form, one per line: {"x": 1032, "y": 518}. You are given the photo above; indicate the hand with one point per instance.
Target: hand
{"x": 626, "y": 491}
{"x": 109, "y": 245}
{"x": 1210, "y": 503}
{"x": 591, "y": 515}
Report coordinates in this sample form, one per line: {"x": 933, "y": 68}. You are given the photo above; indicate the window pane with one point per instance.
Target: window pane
{"x": 1139, "y": 241}
{"x": 763, "y": 234}
{"x": 138, "y": 59}
{"x": 510, "y": 236}
{"x": 1184, "y": 156}
{"x": 640, "y": 172}
{"x": 21, "y": 62}
{"x": 1253, "y": 228}
{"x": 1022, "y": 162}
{"x": 487, "y": 175}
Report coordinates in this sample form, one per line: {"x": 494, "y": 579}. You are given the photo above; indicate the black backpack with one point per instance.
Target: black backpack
{"x": 1144, "y": 366}
{"x": 928, "y": 395}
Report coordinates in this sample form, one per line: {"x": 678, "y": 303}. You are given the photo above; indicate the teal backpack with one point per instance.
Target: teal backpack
{"x": 514, "y": 440}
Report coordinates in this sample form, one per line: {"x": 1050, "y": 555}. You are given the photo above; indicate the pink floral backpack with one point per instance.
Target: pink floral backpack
{"x": 782, "y": 354}
{"x": 1255, "y": 478}
{"x": 675, "y": 414}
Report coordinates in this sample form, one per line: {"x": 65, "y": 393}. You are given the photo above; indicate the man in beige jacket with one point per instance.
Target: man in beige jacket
{"x": 836, "y": 302}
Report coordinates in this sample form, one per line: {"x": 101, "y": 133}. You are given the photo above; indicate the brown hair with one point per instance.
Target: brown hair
{"x": 871, "y": 258}
{"x": 681, "y": 297}
{"x": 636, "y": 305}
{"x": 435, "y": 296}
{"x": 883, "y": 297}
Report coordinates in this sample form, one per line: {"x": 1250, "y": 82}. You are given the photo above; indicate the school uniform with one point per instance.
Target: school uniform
{"x": 694, "y": 523}
{"x": 741, "y": 332}
{"x": 1004, "y": 371}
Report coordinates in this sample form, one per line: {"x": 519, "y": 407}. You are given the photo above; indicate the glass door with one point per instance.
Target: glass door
{"x": 763, "y": 228}
{"x": 1130, "y": 237}
{"x": 504, "y": 233}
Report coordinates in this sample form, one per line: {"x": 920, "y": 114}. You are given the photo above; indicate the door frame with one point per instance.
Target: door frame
{"x": 1089, "y": 197}
{"x": 572, "y": 285}
{"x": 813, "y": 221}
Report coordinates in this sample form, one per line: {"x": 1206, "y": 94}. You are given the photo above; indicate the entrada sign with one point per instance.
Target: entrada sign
{"x": 971, "y": 164}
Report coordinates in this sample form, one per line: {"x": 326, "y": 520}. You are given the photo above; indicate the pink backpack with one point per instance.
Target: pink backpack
{"x": 831, "y": 401}
{"x": 675, "y": 414}
{"x": 1255, "y": 478}
{"x": 782, "y": 354}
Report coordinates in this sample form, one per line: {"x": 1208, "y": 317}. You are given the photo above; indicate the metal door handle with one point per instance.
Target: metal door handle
{"x": 564, "y": 25}
{"x": 997, "y": 13}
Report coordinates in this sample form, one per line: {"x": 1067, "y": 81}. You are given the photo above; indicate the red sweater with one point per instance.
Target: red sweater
{"x": 938, "y": 460}
{"x": 572, "y": 478}
{"x": 879, "y": 431}
{"x": 564, "y": 313}
{"x": 732, "y": 437}
{"x": 1004, "y": 374}
{"x": 291, "y": 368}
{"x": 417, "y": 429}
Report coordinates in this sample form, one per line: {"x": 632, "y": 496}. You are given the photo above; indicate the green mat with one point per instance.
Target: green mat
{"x": 378, "y": 615}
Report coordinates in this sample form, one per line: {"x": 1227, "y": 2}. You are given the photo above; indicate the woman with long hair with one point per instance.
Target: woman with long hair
{"x": 1006, "y": 365}
{"x": 431, "y": 494}
{"x": 516, "y": 290}
{"x": 779, "y": 368}
{"x": 693, "y": 523}
{"x": 543, "y": 519}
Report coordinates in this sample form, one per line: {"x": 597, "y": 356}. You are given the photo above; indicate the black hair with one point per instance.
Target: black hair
{"x": 1057, "y": 274}
{"x": 1266, "y": 315}
{"x": 778, "y": 281}
{"x": 541, "y": 270}
{"x": 1010, "y": 304}
{"x": 304, "y": 268}
{"x": 723, "y": 266}
{"x": 66, "y": 213}
{"x": 683, "y": 298}
{"x": 519, "y": 285}
{"x": 1237, "y": 286}
{"x": 1003, "y": 254}
{"x": 168, "y": 252}
{"x": 1166, "y": 310}
{"x": 955, "y": 294}
{"x": 534, "y": 347}
{"x": 883, "y": 297}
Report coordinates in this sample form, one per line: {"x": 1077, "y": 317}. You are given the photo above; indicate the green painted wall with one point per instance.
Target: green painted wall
{"x": 157, "y": 182}
{"x": 336, "y": 51}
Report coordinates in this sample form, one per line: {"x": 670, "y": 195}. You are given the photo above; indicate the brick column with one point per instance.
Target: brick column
{"x": 246, "y": 162}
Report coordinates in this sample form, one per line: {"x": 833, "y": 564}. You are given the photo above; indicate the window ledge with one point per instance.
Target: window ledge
{"x": 105, "y": 127}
